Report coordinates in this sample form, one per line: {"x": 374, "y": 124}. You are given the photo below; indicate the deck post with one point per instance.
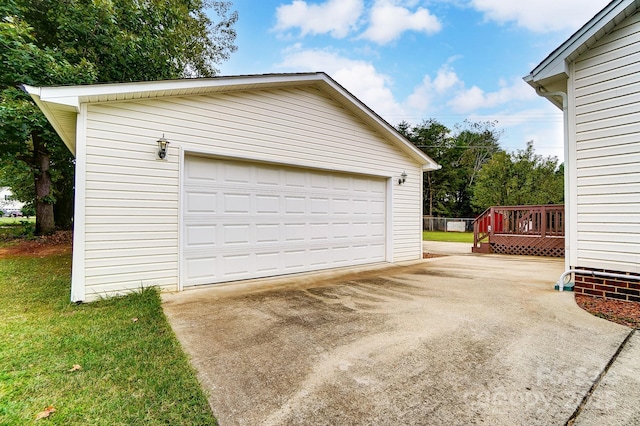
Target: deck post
{"x": 491, "y": 224}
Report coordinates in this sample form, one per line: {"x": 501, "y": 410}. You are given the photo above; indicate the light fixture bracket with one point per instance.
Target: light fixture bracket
{"x": 403, "y": 178}
{"x": 163, "y": 144}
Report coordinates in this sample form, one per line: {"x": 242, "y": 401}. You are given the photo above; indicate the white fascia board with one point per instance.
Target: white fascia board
{"x": 61, "y": 95}
{"x": 74, "y": 95}
{"x": 587, "y": 35}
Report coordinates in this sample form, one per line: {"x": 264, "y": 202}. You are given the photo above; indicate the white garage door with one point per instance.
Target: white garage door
{"x": 247, "y": 220}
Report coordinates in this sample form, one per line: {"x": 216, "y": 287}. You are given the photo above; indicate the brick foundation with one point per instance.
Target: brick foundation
{"x": 608, "y": 288}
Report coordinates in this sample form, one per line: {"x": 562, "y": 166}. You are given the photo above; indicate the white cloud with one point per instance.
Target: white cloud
{"x": 543, "y": 125}
{"x": 423, "y": 96}
{"x": 442, "y": 96}
{"x": 541, "y": 15}
{"x": 335, "y": 17}
{"x": 357, "y": 76}
{"x": 475, "y": 98}
{"x": 388, "y": 20}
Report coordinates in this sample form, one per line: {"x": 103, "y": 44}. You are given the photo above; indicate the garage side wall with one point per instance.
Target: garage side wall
{"x": 132, "y": 199}
{"x": 607, "y": 110}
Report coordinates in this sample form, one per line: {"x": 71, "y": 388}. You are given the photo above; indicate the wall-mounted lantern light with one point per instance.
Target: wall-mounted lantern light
{"x": 163, "y": 144}
{"x": 403, "y": 178}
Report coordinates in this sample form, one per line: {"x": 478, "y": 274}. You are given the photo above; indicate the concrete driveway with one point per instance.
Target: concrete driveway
{"x": 461, "y": 339}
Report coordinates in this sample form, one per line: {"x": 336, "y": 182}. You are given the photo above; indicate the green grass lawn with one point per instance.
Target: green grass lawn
{"x": 16, "y": 227}
{"x": 452, "y": 237}
{"x": 16, "y": 220}
{"x": 132, "y": 369}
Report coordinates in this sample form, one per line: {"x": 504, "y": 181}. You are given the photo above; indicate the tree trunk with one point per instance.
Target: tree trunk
{"x": 63, "y": 208}
{"x": 45, "y": 223}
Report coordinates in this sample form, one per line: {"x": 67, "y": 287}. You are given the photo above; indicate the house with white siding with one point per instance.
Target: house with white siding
{"x": 594, "y": 77}
{"x": 9, "y": 206}
{"x": 209, "y": 181}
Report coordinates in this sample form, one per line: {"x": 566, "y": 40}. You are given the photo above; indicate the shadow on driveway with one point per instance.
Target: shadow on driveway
{"x": 449, "y": 340}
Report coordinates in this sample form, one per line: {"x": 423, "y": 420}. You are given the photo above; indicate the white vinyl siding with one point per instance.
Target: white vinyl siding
{"x": 607, "y": 105}
{"x": 132, "y": 199}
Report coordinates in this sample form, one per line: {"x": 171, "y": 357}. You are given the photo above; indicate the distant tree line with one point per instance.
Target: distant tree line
{"x": 477, "y": 173}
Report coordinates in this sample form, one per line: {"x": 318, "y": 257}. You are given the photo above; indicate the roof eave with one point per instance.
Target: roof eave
{"x": 554, "y": 67}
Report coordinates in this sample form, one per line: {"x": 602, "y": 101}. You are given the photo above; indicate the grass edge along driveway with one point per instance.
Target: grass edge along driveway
{"x": 113, "y": 362}
{"x": 450, "y": 237}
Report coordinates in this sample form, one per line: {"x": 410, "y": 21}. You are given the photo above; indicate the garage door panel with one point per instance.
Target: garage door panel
{"x": 360, "y": 229}
{"x": 319, "y": 231}
{"x": 294, "y": 178}
{"x": 360, "y": 206}
{"x": 201, "y": 270}
{"x": 235, "y": 265}
{"x": 378, "y": 252}
{"x": 361, "y": 185}
{"x": 340, "y": 183}
{"x": 267, "y": 176}
{"x": 235, "y": 173}
{"x": 267, "y": 262}
{"x": 236, "y": 203}
{"x": 360, "y": 252}
{"x": 199, "y": 169}
{"x": 319, "y": 206}
{"x": 201, "y": 202}
{"x": 244, "y": 220}
{"x": 377, "y": 229}
{"x": 320, "y": 257}
{"x": 320, "y": 181}
{"x": 294, "y": 204}
{"x": 340, "y": 230}
{"x": 267, "y": 204}
{"x": 340, "y": 255}
{"x": 294, "y": 259}
{"x": 236, "y": 234}
{"x": 200, "y": 235}
{"x": 295, "y": 232}
{"x": 267, "y": 233}
{"x": 341, "y": 206}
{"x": 377, "y": 207}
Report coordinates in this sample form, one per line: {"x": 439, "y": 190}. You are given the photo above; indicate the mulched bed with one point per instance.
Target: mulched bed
{"x": 57, "y": 243}
{"x": 618, "y": 311}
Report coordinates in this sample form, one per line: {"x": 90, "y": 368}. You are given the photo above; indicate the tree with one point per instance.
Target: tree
{"x": 522, "y": 178}
{"x": 25, "y": 135}
{"x": 53, "y": 42}
{"x": 461, "y": 153}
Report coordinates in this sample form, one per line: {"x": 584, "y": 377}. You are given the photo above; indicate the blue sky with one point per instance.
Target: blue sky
{"x": 411, "y": 60}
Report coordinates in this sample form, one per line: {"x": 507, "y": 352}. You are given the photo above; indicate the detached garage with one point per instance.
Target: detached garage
{"x": 205, "y": 181}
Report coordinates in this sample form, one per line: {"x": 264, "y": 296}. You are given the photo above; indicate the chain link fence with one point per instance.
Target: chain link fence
{"x": 447, "y": 224}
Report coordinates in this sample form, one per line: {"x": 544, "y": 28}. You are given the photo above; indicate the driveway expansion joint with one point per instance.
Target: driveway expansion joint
{"x": 599, "y": 379}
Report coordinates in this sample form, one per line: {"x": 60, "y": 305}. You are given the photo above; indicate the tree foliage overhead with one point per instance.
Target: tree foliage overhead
{"x": 521, "y": 178}
{"x": 128, "y": 40}
{"x": 57, "y": 42}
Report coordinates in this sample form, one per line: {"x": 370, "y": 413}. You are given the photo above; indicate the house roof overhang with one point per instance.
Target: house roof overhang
{"x": 552, "y": 73}
{"x": 61, "y": 104}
